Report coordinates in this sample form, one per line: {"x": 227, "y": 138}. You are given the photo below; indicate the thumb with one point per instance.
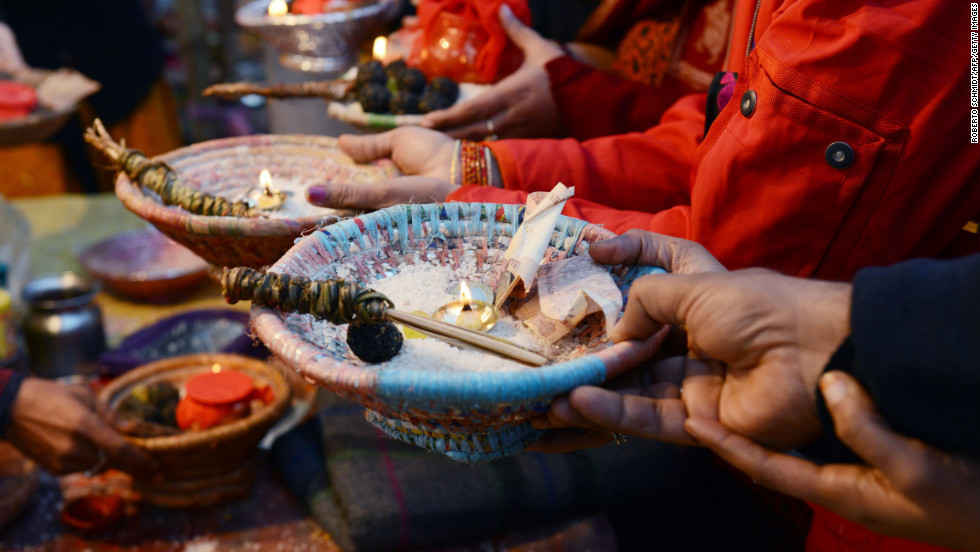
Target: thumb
{"x": 120, "y": 453}
{"x": 861, "y": 428}
{"x": 367, "y": 147}
{"x": 654, "y": 300}
{"x": 342, "y": 195}
{"x": 525, "y": 37}
{"x": 639, "y": 247}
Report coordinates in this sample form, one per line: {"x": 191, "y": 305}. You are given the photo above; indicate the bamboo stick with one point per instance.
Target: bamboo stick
{"x": 458, "y": 335}
{"x": 329, "y": 89}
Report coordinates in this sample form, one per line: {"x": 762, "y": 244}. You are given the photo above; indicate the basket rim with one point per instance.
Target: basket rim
{"x": 133, "y": 198}
{"x": 464, "y": 388}
{"x": 188, "y": 440}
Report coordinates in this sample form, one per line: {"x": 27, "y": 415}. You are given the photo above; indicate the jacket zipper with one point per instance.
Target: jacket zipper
{"x": 755, "y": 16}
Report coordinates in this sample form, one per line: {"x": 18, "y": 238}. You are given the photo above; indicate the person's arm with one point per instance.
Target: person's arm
{"x": 60, "y": 428}
{"x": 914, "y": 346}
{"x": 593, "y": 103}
{"x": 672, "y": 221}
{"x": 649, "y": 171}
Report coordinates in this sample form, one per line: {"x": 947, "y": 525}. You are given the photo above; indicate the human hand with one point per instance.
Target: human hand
{"x": 519, "y": 106}
{"x": 59, "y": 427}
{"x": 423, "y": 156}
{"x": 10, "y": 58}
{"x": 757, "y": 343}
{"x": 908, "y": 489}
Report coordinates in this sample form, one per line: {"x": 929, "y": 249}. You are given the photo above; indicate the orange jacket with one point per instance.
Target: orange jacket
{"x": 883, "y": 85}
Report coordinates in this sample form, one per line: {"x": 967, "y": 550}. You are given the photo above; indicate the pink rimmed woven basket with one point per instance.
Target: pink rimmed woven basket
{"x": 230, "y": 167}
{"x": 470, "y": 415}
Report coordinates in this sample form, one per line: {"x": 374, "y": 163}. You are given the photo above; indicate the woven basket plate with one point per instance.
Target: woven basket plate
{"x": 470, "y": 415}
{"x": 229, "y": 168}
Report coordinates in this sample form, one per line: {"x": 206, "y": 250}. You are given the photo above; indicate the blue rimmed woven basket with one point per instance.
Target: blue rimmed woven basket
{"x": 468, "y": 415}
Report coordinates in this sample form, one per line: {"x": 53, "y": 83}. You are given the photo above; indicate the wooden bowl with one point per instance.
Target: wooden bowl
{"x": 145, "y": 265}
{"x": 191, "y": 461}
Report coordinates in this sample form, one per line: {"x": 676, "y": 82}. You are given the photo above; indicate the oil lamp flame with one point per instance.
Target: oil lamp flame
{"x": 278, "y": 7}
{"x": 468, "y": 312}
{"x": 380, "y": 48}
{"x": 265, "y": 179}
{"x": 265, "y": 196}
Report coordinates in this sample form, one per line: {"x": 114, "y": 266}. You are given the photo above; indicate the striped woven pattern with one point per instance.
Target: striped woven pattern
{"x": 470, "y": 415}
{"x": 229, "y": 167}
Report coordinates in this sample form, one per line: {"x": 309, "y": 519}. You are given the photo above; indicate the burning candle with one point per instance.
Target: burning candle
{"x": 266, "y": 197}
{"x": 380, "y": 51}
{"x": 278, "y": 7}
{"x": 468, "y": 312}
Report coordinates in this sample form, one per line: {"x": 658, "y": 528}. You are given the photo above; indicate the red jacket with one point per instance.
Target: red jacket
{"x": 887, "y": 82}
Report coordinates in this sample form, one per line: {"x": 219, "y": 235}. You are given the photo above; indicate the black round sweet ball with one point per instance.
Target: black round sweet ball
{"x": 370, "y": 72}
{"x": 411, "y": 80}
{"x": 433, "y": 100}
{"x": 447, "y": 87}
{"x": 404, "y": 103}
{"x": 395, "y": 68}
{"x": 374, "y": 342}
{"x": 374, "y": 98}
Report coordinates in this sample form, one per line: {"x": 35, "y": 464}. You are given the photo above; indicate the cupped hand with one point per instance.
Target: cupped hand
{"x": 757, "y": 343}
{"x": 908, "y": 489}
{"x": 519, "y": 106}
{"x": 11, "y": 60}
{"x": 59, "y": 427}
{"x": 423, "y": 156}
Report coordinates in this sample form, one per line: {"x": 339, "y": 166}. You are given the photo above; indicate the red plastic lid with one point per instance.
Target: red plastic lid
{"x": 14, "y": 95}
{"x": 226, "y": 386}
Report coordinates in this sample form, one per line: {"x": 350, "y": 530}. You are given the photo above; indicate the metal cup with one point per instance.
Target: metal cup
{"x": 63, "y": 329}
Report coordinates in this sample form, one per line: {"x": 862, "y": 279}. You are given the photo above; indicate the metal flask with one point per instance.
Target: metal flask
{"x": 63, "y": 329}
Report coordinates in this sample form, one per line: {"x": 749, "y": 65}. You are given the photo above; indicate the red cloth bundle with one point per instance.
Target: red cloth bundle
{"x": 464, "y": 40}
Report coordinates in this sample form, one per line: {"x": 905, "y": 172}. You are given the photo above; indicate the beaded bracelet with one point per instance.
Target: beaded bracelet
{"x": 473, "y": 164}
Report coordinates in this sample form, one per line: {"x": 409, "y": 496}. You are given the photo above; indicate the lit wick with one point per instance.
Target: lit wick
{"x": 468, "y": 312}
{"x": 278, "y": 7}
{"x": 266, "y": 197}
{"x": 380, "y": 51}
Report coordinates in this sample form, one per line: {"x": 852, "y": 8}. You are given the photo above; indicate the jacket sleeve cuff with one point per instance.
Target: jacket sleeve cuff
{"x": 830, "y": 449}
{"x": 10, "y": 382}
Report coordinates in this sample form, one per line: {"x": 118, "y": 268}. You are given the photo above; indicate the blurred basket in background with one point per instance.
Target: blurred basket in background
{"x": 144, "y": 265}
{"x": 210, "y": 465}
{"x": 230, "y": 167}
{"x": 468, "y": 414}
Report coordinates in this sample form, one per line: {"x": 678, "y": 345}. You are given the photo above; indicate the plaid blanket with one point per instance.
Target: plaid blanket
{"x": 372, "y": 493}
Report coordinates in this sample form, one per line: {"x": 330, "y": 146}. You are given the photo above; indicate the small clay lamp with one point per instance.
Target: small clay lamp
{"x": 265, "y": 196}
{"x": 468, "y": 312}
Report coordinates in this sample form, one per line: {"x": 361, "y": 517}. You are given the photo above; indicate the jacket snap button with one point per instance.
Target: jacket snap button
{"x": 748, "y": 102}
{"x": 839, "y": 155}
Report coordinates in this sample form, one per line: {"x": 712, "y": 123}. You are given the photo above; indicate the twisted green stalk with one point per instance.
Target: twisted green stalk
{"x": 335, "y": 300}
{"x": 163, "y": 180}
